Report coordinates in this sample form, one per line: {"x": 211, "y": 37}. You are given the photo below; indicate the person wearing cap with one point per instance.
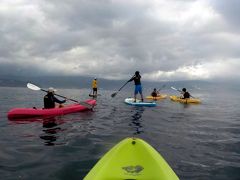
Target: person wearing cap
{"x": 185, "y": 94}
{"x": 50, "y": 99}
{"x": 94, "y": 86}
{"x": 138, "y": 86}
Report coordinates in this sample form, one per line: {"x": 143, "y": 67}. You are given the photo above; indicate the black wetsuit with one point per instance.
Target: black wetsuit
{"x": 49, "y": 101}
{"x": 136, "y": 79}
{"x": 186, "y": 95}
{"x": 154, "y": 94}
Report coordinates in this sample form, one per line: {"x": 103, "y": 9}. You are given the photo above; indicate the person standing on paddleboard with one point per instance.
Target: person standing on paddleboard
{"x": 94, "y": 87}
{"x": 50, "y": 99}
{"x": 138, "y": 86}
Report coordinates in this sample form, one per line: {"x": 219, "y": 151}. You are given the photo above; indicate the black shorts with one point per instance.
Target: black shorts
{"x": 94, "y": 89}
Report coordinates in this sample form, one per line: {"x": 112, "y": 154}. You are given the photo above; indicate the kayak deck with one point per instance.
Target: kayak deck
{"x": 133, "y": 159}
{"x": 33, "y": 112}
{"x": 130, "y": 101}
{"x": 162, "y": 96}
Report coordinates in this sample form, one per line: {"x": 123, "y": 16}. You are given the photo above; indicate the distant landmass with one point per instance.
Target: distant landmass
{"x": 58, "y": 82}
{"x": 84, "y": 82}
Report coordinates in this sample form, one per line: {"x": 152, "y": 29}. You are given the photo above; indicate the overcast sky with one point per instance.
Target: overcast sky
{"x": 164, "y": 40}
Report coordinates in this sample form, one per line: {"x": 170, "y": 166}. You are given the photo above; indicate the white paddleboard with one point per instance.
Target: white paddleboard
{"x": 130, "y": 101}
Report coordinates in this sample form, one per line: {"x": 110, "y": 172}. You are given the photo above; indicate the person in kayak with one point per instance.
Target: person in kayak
{"x": 185, "y": 94}
{"x": 154, "y": 93}
{"x": 138, "y": 86}
{"x": 94, "y": 87}
{"x": 50, "y": 99}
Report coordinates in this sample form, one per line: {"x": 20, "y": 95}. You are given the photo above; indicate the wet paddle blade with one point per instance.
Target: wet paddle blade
{"x": 176, "y": 89}
{"x": 33, "y": 87}
{"x": 113, "y": 95}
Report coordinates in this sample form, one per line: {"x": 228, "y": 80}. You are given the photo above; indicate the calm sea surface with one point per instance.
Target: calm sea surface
{"x": 199, "y": 142}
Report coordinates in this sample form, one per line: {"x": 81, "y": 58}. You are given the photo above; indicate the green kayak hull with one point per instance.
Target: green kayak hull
{"x": 132, "y": 159}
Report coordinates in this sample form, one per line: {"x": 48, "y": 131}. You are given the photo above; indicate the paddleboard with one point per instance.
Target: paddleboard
{"x": 130, "y": 101}
{"x": 132, "y": 159}
{"x": 91, "y": 95}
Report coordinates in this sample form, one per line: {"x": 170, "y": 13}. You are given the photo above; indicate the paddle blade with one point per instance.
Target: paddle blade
{"x": 174, "y": 88}
{"x": 114, "y": 94}
{"x": 33, "y": 87}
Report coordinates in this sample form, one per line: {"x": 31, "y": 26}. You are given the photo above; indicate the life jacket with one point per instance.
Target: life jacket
{"x": 186, "y": 95}
{"x": 154, "y": 94}
{"x": 49, "y": 101}
{"x": 137, "y": 80}
{"x": 94, "y": 83}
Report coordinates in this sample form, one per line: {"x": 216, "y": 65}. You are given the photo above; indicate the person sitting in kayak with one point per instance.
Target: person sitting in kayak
{"x": 185, "y": 94}
{"x": 50, "y": 99}
{"x": 154, "y": 93}
{"x": 138, "y": 86}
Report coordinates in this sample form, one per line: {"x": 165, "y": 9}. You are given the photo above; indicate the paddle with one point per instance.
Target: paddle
{"x": 180, "y": 91}
{"x": 36, "y": 88}
{"x": 90, "y": 92}
{"x": 114, "y": 94}
{"x": 163, "y": 86}
{"x": 176, "y": 89}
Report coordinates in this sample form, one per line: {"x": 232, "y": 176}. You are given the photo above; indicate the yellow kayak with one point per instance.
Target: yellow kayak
{"x": 133, "y": 159}
{"x": 162, "y": 96}
{"x": 186, "y": 101}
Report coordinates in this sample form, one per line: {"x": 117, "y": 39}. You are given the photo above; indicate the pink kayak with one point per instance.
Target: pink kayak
{"x": 31, "y": 112}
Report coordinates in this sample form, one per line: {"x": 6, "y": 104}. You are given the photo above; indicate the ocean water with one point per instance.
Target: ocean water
{"x": 199, "y": 142}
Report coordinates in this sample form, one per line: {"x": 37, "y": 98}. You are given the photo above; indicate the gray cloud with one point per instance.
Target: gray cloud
{"x": 165, "y": 40}
{"x": 230, "y": 11}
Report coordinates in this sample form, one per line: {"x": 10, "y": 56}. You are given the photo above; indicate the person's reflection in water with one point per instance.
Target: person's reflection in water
{"x": 50, "y": 128}
{"x": 136, "y": 120}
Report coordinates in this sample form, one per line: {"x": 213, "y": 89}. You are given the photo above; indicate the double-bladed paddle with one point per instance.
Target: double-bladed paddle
{"x": 36, "y": 88}
{"x": 180, "y": 91}
{"x": 163, "y": 86}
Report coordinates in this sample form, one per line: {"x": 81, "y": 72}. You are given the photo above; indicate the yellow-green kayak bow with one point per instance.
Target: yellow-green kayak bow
{"x": 132, "y": 159}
